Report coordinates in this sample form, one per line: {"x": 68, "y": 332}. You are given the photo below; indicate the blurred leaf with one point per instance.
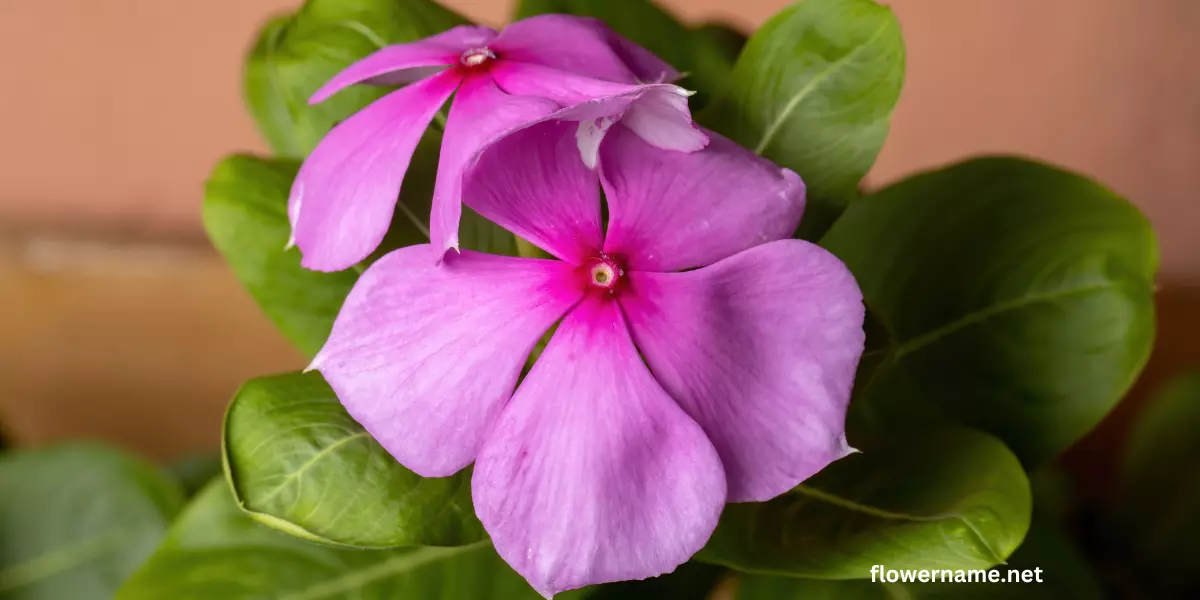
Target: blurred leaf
{"x": 194, "y": 472}
{"x": 1017, "y": 299}
{"x": 948, "y": 499}
{"x": 715, "y": 49}
{"x": 216, "y": 552}
{"x": 814, "y": 91}
{"x": 725, "y": 39}
{"x": 77, "y": 520}
{"x": 1063, "y": 572}
{"x": 1160, "y": 500}
{"x": 245, "y": 215}
{"x": 299, "y": 463}
{"x": 298, "y": 53}
{"x": 699, "y": 56}
{"x": 690, "y": 581}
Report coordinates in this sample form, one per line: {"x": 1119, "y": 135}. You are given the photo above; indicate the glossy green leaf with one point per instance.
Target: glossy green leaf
{"x": 299, "y": 463}
{"x": 216, "y": 552}
{"x": 814, "y": 91}
{"x": 296, "y": 54}
{"x": 1016, "y": 298}
{"x": 245, "y": 215}
{"x": 952, "y": 499}
{"x": 1045, "y": 554}
{"x": 76, "y": 520}
{"x": 1160, "y": 499}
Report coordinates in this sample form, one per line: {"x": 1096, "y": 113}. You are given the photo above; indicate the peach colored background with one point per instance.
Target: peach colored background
{"x": 112, "y": 112}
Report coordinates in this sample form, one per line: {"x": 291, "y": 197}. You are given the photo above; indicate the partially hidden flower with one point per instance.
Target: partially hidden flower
{"x": 701, "y": 355}
{"x": 344, "y": 195}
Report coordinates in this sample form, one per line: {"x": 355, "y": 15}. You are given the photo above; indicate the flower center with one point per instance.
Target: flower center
{"x": 476, "y": 56}
{"x": 605, "y": 273}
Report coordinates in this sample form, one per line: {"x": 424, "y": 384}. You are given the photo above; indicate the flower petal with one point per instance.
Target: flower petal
{"x": 533, "y": 183}
{"x": 657, "y": 112}
{"x": 577, "y": 45}
{"x": 671, "y": 210}
{"x": 425, "y": 356}
{"x": 480, "y": 112}
{"x": 404, "y": 63}
{"x": 592, "y": 473}
{"x": 343, "y": 197}
{"x": 647, "y": 67}
{"x": 760, "y": 349}
{"x": 665, "y": 122}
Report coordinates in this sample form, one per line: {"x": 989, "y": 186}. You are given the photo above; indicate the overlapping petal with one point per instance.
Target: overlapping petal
{"x": 479, "y": 113}
{"x": 646, "y": 67}
{"x": 671, "y": 210}
{"x": 592, "y": 473}
{"x": 404, "y": 63}
{"x": 343, "y": 197}
{"x": 656, "y": 112}
{"x": 579, "y": 45}
{"x": 425, "y": 357}
{"x": 760, "y": 349}
{"x": 533, "y": 183}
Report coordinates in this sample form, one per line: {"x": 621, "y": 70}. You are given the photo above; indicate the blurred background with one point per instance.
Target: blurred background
{"x": 121, "y": 324}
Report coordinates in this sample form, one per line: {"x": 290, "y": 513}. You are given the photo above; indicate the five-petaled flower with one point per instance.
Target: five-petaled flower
{"x": 702, "y": 357}
{"x": 344, "y": 195}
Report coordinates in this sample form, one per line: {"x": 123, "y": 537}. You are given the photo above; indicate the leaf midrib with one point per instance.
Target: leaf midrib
{"x": 360, "y": 578}
{"x": 308, "y": 464}
{"x": 979, "y": 316}
{"x": 867, "y": 509}
{"x": 812, "y": 85}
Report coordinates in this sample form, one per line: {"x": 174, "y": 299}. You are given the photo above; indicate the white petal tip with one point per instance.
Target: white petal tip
{"x": 315, "y": 364}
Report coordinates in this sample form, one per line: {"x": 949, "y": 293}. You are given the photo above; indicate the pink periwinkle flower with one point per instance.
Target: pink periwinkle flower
{"x": 343, "y": 197}
{"x": 601, "y": 466}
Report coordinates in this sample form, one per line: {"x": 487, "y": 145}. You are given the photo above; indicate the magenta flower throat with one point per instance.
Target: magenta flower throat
{"x": 343, "y": 197}
{"x": 701, "y": 355}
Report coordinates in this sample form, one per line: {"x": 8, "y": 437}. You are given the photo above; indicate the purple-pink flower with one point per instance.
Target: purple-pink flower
{"x": 343, "y": 197}
{"x": 701, "y": 355}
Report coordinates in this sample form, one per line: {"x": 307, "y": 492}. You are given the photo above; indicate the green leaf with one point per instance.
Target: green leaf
{"x": 1160, "y": 499}
{"x": 690, "y": 581}
{"x": 814, "y": 91}
{"x": 1046, "y": 553}
{"x": 216, "y": 552}
{"x": 715, "y": 49}
{"x": 245, "y": 215}
{"x": 1016, "y": 298}
{"x": 77, "y": 520}
{"x": 299, "y": 463}
{"x": 296, "y": 54}
{"x": 948, "y": 499}
{"x": 195, "y": 471}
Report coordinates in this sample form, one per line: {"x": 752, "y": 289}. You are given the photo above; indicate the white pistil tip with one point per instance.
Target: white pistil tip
{"x": 477, "y": 56}
{"x": 603, "y": 275}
